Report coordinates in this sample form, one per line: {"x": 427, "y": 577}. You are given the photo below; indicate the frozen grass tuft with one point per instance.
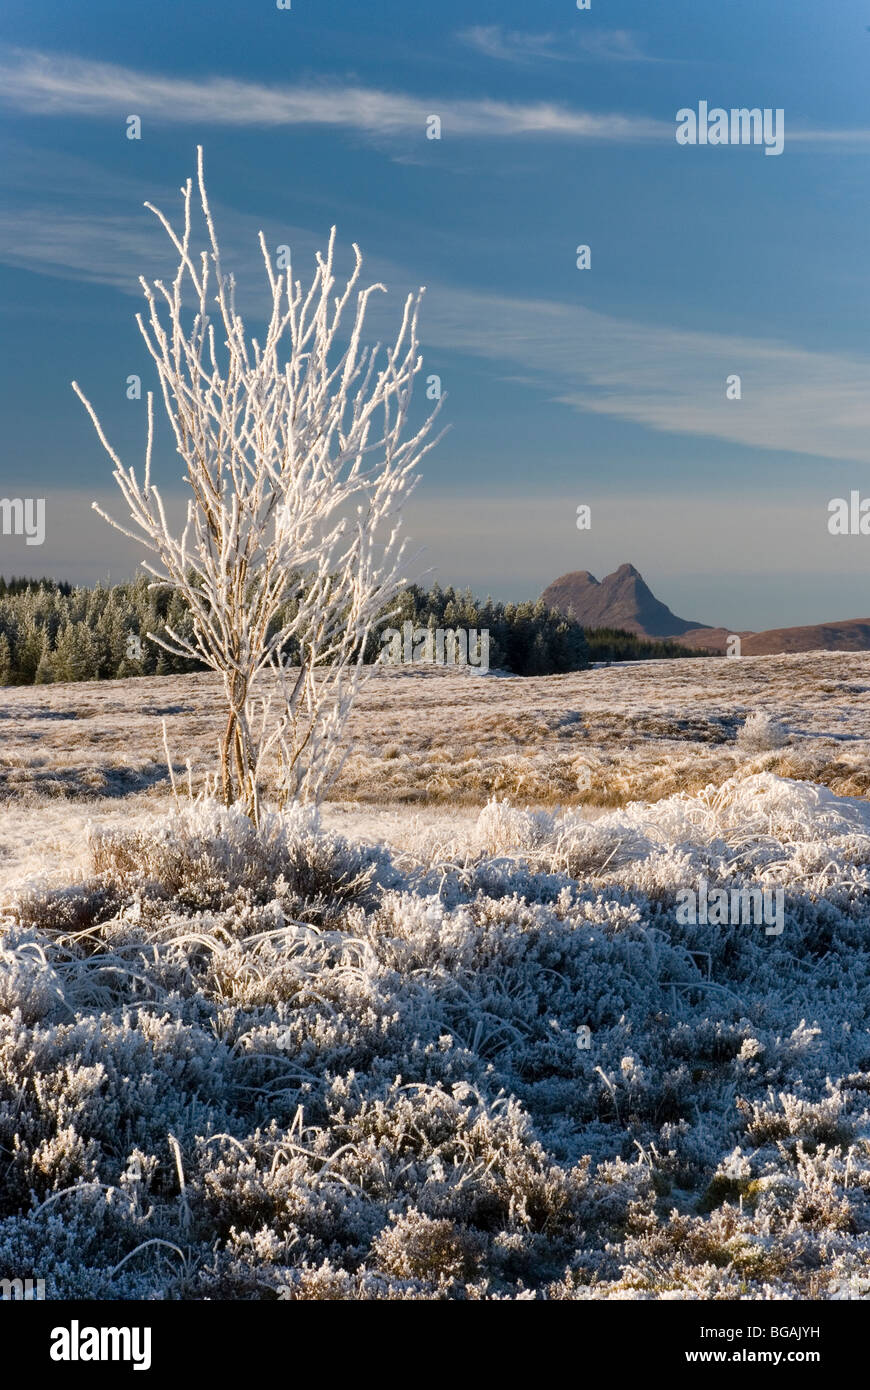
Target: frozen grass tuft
{"x": 761, "y": 733}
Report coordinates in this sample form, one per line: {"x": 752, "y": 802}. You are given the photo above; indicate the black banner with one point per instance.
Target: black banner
{"x": 75, "y": 1339}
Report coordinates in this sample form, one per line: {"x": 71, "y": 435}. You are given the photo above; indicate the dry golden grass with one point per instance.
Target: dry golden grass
{"x": 427, "y": 737}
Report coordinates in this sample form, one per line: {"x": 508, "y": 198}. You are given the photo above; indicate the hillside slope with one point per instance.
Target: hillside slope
{"x": 622, "y": 599}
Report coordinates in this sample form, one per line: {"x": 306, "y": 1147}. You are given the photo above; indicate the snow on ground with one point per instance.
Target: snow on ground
{"x": 427, "y": 1047}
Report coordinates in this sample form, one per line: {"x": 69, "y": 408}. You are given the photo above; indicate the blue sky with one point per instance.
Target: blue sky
{"x": 604, "y": 387}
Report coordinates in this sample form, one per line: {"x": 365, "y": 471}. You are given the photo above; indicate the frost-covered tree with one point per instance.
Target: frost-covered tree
{"x": 298, "y": 455}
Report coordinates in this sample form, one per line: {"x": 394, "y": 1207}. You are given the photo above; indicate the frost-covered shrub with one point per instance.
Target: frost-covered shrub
{"x": 206, "y": 855}
{"x": 241, "y": 1064}
{"x": 502, "y": 828}
{"x": 761, "y": 732}
{"x": 29, "y": 987}
{"x": 433, "y": 1251}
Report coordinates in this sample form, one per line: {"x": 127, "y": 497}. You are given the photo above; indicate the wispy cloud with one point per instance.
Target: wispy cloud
{"x": 519, "y": 46}
{"x": 616, "y": 46}
{"x": 667, "y": 379}
{"x": 41, "y": 84}
{"x": 671, "y": 380}
{"x": 509, "y": 45}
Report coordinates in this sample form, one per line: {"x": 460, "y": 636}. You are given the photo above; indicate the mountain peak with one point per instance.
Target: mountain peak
{"x": 622, "y": 599}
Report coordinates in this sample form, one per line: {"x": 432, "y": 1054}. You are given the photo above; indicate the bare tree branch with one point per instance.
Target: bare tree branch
{"x": 298, "y": 465}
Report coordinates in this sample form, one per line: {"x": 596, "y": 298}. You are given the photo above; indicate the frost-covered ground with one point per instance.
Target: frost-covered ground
{"x": 639, "y": 730}
{"x": 427, "y": 1048}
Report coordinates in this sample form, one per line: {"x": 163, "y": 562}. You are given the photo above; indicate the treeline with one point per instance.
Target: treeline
{"x": 20, "y": 586}
{"x": 50, "y": 632}
{"x": 53, "y": 632}
{"x": 615, "y": 644}
{"x": 528, "y": 639}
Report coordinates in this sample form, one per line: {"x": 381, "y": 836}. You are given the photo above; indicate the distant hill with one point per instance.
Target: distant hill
{"x": 850, "y": 635}
{"x": 621, "y": 600}
{"x": 714, "y": 639}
